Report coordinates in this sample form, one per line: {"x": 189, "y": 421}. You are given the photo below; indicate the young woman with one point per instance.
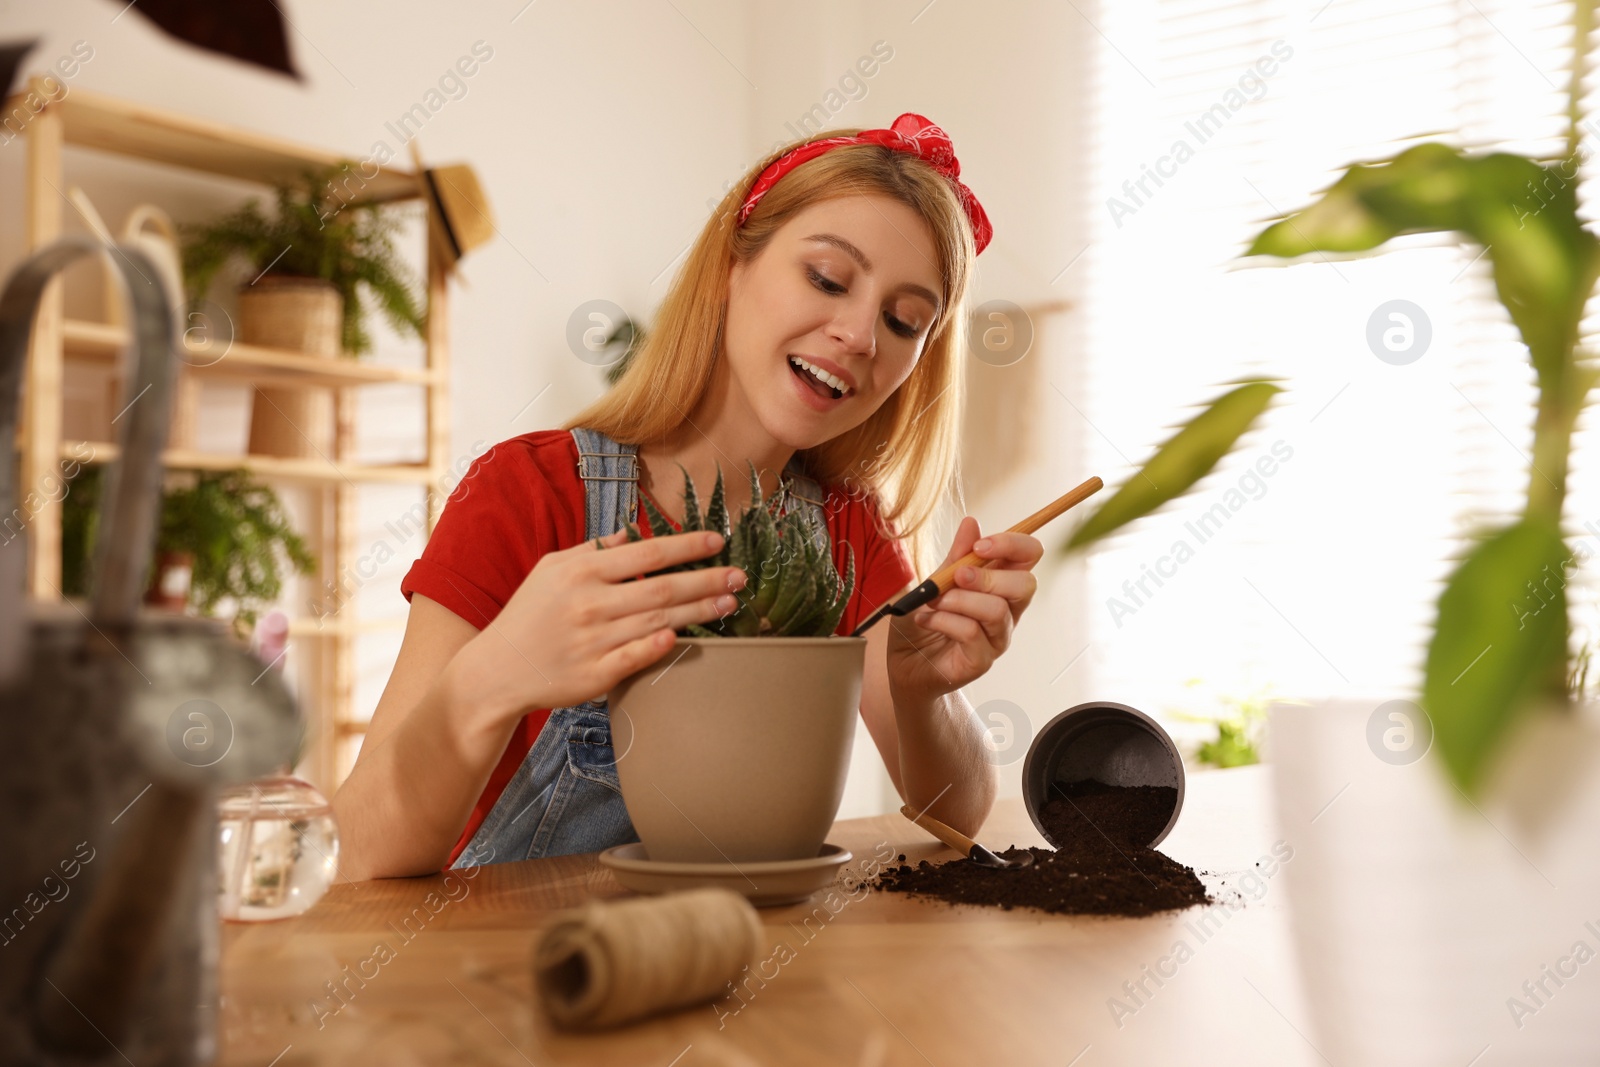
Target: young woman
{"x": 818, "y": 329}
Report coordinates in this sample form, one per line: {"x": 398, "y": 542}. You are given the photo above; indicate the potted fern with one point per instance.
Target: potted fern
{"x": 735, "y": 746}
{"x": 309, "y": 265}
{"x": 1448, "y": 904}
{"x": 236, "y": 530}
{"x": 223, "y": 539}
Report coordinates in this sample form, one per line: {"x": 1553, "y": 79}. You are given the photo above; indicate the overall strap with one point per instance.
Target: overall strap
{"x": 610, "y": 473}
{"x": 804, "y": 488}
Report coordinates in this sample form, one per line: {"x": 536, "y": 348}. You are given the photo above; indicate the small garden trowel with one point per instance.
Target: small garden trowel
{"x": 961, "y": 842}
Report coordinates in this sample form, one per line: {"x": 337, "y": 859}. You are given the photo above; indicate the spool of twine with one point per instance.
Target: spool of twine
{"x": 609, "y": 963}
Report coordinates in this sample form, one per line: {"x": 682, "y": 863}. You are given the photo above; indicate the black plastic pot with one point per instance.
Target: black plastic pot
{"x": 1105, "y": 742}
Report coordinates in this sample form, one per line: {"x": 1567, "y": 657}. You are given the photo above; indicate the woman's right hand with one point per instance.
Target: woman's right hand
{"x": 577, "y": 625}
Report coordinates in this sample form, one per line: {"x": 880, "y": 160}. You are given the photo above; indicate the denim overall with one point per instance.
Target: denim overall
{"x": 565, "y": 796}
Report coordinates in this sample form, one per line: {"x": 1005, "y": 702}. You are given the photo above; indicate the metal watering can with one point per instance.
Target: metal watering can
{"x": 119, "y": 729}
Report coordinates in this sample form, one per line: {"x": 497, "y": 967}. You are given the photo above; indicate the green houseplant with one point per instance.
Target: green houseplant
{"x": 735, "y": 748}
{"x": 232, "y": 528}
{"x": 1523, "y": 212}
{"x": 1423, "y": 899}
{"x": 1545, "y": 263}
{"x": 313, "y": 234}
{"x": 792, "y": 587}
{"x": 237, "y": 531}
{"x": 310, "y": 263}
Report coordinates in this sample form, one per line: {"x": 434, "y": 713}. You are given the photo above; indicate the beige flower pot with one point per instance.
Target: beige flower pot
{"x": 302, "y": 315}
{"x": 183, "y": 433}
{"x": 735, "y": 749}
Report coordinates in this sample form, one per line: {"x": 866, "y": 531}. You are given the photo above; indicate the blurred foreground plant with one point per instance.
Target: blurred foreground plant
{"x": 1180, "y": 462}
{"x": 1506, "y": 647}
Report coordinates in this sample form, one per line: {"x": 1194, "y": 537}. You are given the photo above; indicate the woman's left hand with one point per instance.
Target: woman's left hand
{"x": 955, "y": 637}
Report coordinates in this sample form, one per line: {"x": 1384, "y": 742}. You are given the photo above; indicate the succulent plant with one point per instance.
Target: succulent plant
{"x": 792, "y": 587}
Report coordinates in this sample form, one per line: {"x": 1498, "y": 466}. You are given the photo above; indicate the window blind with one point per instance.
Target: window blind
{"x": 1308, "y": 563}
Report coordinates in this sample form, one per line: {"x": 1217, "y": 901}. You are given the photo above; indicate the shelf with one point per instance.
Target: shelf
{"x": 126, "y": 128}
{"x": 274, "y": 366}
{"x": 62, "y": 349}
{"x": 312, "y": 471}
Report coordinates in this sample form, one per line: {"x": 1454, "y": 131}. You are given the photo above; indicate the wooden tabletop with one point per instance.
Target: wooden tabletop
{"x": 885, "y": 980}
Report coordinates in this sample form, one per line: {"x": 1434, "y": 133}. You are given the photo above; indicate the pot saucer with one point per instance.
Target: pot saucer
{"x": 765, "y": 884}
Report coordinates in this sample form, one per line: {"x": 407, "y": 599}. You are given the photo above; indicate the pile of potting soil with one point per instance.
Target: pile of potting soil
{"x": 1101, "y": 868}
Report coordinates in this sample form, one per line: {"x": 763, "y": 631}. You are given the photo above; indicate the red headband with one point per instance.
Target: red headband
{"x": 910, "y": 133}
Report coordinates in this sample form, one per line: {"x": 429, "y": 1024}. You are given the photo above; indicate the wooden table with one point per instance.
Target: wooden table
{"x": 888, "y": 979}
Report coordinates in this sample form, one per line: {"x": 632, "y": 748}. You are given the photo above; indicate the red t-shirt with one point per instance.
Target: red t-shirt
{"x": 524, "y": 498}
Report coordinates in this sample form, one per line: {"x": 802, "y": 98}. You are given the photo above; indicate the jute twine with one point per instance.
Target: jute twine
{"x": 612, "y": 962}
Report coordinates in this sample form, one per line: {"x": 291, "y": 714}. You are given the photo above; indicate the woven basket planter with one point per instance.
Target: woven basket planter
{"x": 303, "y": 315}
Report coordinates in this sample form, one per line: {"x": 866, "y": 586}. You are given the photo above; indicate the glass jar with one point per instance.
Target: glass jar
{"x": 279, "y": 850}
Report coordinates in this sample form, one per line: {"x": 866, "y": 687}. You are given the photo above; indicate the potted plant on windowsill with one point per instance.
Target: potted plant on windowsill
{"x": 741, "y": 735}
{"x": 310, "y": 263}
{"x": 1432, "y": 902}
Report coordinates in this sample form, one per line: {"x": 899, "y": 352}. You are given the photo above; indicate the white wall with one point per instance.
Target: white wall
{"x": 600, "y": 133}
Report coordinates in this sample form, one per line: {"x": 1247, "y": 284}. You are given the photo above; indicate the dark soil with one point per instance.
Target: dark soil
{"x": 1102, "y": 867}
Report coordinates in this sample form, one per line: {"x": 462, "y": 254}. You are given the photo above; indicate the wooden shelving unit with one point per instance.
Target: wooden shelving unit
{"x": 274, "y": 366}
{"x": 324, "y": 648}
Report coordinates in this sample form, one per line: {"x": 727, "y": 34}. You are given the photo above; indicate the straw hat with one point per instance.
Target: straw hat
{"x": 459, "y": 218}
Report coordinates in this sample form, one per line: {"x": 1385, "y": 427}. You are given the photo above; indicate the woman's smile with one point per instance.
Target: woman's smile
{"x": 814, "y": 392}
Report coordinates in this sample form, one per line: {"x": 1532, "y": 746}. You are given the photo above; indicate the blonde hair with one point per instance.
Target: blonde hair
{"x": 905, "y": 456}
